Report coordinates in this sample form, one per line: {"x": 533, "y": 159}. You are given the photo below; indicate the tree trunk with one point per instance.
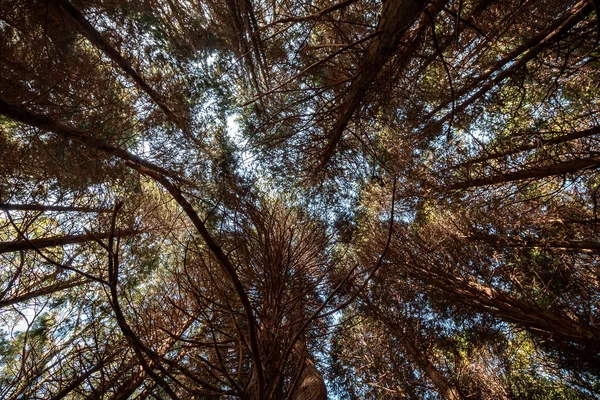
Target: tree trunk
{"x": 444, "y": 388}
{"x": 311, "y": 385}
{"x": 395, "y": 19}
{"x": 545, "y": 324}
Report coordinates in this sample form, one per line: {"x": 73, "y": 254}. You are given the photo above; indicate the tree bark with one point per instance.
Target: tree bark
{"x": 311, "y": 385}
{"x": 541, "y": 323}
{"x": 544, "y": 324}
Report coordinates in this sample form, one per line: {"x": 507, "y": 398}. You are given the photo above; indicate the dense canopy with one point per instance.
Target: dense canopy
{"x": 279, "y": 199}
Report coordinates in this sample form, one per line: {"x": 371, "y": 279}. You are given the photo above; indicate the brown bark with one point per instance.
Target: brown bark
{"x": 312, "y": 385}
{"x": 310, "y": 382}
{"x": 541, "y": 323}
{"x": 573, "y": 336}
{"x": 396, "y": 18}
{"x": 130, "y": 385}
{"x": 55, "y": 241}
{"x": 560, "y": 329}
{"x": 444, "y": 388}
{"x": 244, "y": 50}
{"x": 556, "y": 220}
{"x": 245, "y": 24}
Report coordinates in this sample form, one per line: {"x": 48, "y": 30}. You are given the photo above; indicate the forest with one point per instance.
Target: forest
{"x": 299, "y": 200}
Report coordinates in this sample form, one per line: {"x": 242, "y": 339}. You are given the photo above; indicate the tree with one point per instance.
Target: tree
{"x": 281, "y": 200}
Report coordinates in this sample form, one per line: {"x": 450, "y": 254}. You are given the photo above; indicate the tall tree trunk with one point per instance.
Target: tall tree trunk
{"x": 311, "y": 385}
{"x": 396, "y": 18}
{"x": 444, "y": 388}
{"x": 580, "y": 339}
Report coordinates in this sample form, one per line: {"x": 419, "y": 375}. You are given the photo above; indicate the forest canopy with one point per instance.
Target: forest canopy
{"x": 345, "y": 199}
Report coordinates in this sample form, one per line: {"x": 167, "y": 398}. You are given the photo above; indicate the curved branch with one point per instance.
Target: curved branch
{"x": 24, "y": 116}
